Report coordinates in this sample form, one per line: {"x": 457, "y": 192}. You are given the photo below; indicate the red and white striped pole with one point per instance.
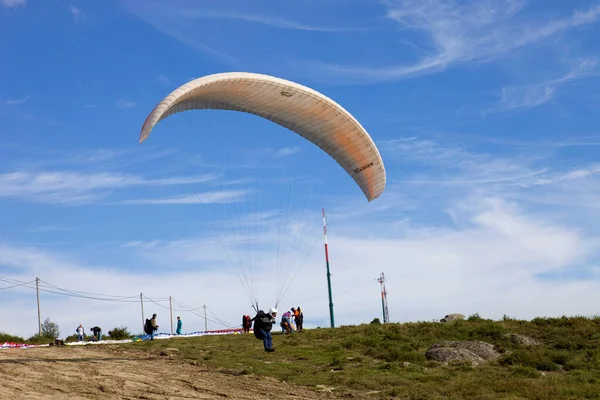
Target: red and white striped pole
{"x": 328, "y": 273}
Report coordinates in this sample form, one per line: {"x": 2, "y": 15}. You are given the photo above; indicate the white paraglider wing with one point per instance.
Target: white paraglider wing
{"x": 305, "y": 111}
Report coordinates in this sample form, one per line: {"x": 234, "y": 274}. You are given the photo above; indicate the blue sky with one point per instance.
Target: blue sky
{"x": 485, "y": 114}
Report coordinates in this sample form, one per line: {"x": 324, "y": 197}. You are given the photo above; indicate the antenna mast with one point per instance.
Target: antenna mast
{"x": 384, "y": 303}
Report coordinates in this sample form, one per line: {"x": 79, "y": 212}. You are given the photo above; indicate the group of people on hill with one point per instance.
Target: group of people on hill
{"x": 150, "y": 327}
{"x": 263, "y": 323}
{"x": 96, "y": 330}
{"x": 287, "y": 326}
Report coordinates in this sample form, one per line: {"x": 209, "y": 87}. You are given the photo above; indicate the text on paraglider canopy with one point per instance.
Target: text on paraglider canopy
{"x": 357, "y": 170}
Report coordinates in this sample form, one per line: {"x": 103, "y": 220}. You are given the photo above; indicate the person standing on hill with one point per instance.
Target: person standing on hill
{"x": 154, "y": 326}
{"x": 246, "y": 323}
{"x": 179, "y": 325}
{"x": 262, "y": 328}
{"x": 80, "y": 332}
{"x": 298, "y": 318}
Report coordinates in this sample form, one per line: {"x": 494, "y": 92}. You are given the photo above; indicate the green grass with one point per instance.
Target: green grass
{"x": 390, "y": 359}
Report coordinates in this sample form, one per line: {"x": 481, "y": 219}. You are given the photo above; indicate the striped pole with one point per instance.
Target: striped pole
{"x": 328, "y": 273}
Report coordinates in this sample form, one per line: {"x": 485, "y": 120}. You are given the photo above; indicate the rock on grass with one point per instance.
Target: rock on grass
{"x": 473, "y": 351}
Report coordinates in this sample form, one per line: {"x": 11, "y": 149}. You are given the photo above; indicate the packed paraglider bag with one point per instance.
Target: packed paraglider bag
{"x": 148, "y": 326}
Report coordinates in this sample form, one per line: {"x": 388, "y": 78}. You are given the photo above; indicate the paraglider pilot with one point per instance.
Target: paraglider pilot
{"x": 262, "y": 327}
{"x": 246, "y": 323}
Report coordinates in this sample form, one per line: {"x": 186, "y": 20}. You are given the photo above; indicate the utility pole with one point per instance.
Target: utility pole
{"x": 143, "y": 320}
{"x": 384, "y": 303}
{"x": 205, "y": 320}
{"x": 171, "y": 312}
{"x": 328, "y": 273}
{"x": 37, "y": 289}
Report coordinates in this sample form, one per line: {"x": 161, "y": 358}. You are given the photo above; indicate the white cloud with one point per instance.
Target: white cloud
{"x": 460, "y": 32}
{"x": 530, "y": 96}
{"x": 72, "y": 187}
{"x": 462, "y": 167}
{"x": 18, "y": 101}
{"x": 160, "y": 16}
{"x": 199, "y": 198}
{"x": 122, "y": 103}
{"x": 275, "y": 22}
{"x": 489, "y": 263}
{"x": 75, "y": 12}
{"x": 440, "y": 175}
{"x": 12, "y": 3}
{"x": 92, "y": 159}
{"x": 287, "y": 151}
{"x": 45, "y": 228}
{"x": 72, "y": 274}
{"x": 163, "y": 80}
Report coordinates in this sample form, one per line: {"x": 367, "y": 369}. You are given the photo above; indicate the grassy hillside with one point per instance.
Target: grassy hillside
{"x": 390, "y": 359}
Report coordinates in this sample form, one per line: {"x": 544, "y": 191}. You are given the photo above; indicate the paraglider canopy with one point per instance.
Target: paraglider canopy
{"x": 304, "y": 111}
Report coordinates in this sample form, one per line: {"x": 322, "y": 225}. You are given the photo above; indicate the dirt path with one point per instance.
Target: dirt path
{"x": 107, "y": 372}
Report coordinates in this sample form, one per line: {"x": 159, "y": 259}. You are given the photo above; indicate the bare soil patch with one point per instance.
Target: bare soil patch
{"x": 107, "y": 372}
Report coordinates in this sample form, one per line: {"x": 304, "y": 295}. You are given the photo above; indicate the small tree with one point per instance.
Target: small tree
{"x": 376, "y": 321}
{"x": 119, "y": 333}
{"x": 50, "y": 329}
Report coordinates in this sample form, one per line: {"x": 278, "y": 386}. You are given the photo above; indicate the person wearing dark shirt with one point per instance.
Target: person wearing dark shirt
{"x": 262, "y": 327}
{"x": 97, "y": 333}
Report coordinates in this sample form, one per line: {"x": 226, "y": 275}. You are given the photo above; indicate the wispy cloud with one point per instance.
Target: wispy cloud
{"x": 227, "y": 196}
{"x": 123, "y": 104}
{"x": 517, "y": 170}
{"x": 163, "y": 80}
{"x": 160, "y": 16}
{"x": 90, "y": 160}
{"x": 461, "y": 32}
{"x": 12, "y": 3}
{"x": 89, "y": 106}
{"x": 45, "y": 228}
{"x": 75, "y": 12}
{"x": 141, "y": 245}
{"x": 442, "y": 173}
{"x": 531, "y": 96}
{"x": 275, "y": 22}
{"x": 71, "y": 187}
{"x": 18, "y": 101}
{"x": 468, "y": 167}
{"x": 287, "y": 151}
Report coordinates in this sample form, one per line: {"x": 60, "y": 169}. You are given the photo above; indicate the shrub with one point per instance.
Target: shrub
{"x": 5, "y": 337}
{"x": 526, "y": 372}
{"x": 119, "y": 333}
{"x": 474, "y": 317}
{"x": 487, "y": 330}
